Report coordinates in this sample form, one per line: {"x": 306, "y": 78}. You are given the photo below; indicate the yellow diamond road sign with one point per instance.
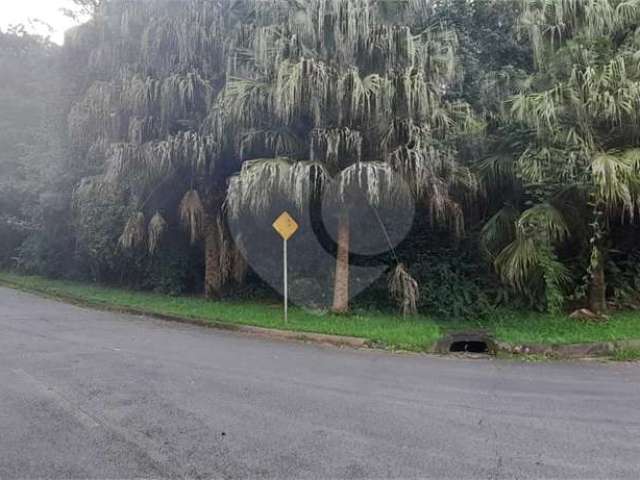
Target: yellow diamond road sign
{"x": 286, "y": 226}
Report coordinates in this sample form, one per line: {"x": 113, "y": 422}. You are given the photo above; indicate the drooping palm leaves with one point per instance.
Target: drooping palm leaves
{"x": 203, "y": 87}
{"x": 157, "y": 228}
{"x": 260, "y": 180}
{"x": 404, "y": 290}
{"x": 582, "y": 107}
{"x": 368, "y": 95}
{"x": 192, "y": 213}
{"x": 134, "y": 231}
{"x": 525, "y": 244}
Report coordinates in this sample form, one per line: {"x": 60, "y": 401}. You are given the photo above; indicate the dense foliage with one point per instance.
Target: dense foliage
{"x": 513, "y": 125}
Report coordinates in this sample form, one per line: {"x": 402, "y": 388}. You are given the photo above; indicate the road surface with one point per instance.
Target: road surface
{"x": 88, "y": 394}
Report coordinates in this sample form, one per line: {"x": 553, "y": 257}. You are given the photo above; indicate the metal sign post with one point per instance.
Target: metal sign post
{"x": 286, "y": 227}
{"x": 285, "y": 282}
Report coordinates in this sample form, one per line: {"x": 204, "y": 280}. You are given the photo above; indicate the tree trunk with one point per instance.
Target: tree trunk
{"x": 341, "y": 282}
{"x": 597, "y": 283}
{"x": 213, "y": 276}
{"x": 598, "y": 286}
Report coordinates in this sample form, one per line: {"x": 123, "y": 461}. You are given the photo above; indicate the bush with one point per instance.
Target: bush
{"x": 452, "y": 285}
{"x": 172, "y": 268}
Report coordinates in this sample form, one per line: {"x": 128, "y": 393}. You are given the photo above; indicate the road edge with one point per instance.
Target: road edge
{"x": 270, "y": 333}
{"x": 563, "y": 351}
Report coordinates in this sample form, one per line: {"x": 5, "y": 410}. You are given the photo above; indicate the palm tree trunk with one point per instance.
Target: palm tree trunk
{"x": 213, "y": 277}
{"x": 341, "y": 282}
{"x": 598, "y": 286}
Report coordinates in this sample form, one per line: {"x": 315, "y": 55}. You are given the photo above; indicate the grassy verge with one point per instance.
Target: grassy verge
{"x": 387, "y": 330}
{"x": 415, "y": 334}
{"x": 528, "y": 328}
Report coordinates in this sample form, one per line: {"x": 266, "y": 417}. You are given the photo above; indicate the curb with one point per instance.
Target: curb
{"x": 270, "y": 333}
{"x": 560, "y": 351}
{"x": 576, "y": 350}
{"x": 566, "y": 351}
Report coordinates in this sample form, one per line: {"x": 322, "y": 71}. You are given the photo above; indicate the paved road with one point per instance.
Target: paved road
{"x": 88, "y": 394}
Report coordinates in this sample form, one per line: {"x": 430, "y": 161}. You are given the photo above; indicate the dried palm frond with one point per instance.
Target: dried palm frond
{"x": 302, "y": 88}
{"x": 133, "y": 233}
{"x": 336, "y": 147}
{"x": 157, "y": 228}
{"x": 151, "y": 162}
{"x": 404, "y": 290}
{"x": 192, "y": 214}
{"x": 261, "y": 180}
{"x": 377, "y": 181}
{"x": 362, "y": 100}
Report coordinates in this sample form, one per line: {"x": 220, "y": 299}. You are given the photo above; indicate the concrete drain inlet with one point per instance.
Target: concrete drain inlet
{"x": 467, "y": 342}
{"x": 470, "y": 347}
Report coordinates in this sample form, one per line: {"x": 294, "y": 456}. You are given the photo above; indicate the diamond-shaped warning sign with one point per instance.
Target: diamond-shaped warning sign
{"x": 286, "y": 226}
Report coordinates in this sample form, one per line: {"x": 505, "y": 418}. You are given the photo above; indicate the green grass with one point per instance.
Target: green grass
{"x": 386, "y": 330}
{"x": 415, "y": 334}
{"x": 536, "y": 328}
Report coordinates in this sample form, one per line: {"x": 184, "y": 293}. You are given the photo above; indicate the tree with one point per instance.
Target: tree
{"x": 364, "y": 84}
{"x": 30, "y": 150}
{"x": 206, "y": 87}
{"x": 146, "y": 120}
{"x": 581, "y": 107}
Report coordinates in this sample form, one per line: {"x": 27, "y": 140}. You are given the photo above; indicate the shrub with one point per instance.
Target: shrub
{"x": 454, "y": 286}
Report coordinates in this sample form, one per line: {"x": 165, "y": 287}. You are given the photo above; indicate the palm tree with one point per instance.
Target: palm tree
{"x": 146, "y": 119}
{"x": 286, "y": 93}
{"x": 363, "y": 84}
{"x": 582, "y": 107}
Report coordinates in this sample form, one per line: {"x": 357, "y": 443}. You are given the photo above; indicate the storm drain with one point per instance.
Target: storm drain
{"x": 469, "y": 346}
{"x": 467, "y": 342}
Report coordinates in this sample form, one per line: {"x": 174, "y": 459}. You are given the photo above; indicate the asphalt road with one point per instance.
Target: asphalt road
{"x": 88, "y": 394}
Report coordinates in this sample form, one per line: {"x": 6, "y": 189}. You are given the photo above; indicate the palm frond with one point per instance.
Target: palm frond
{"x": 276, "y": 142}
{"x": 261, "y": 180}
{"x": 543, "y": 220}
{"x": 192, "y": 214}
{"x": 134, "y": 232}
{"x": 617, "y": 182}
{"x": 157, "y": 228}
{"x": 377, "y": 181}
{"x": 336, "y": 148}
{"x": 404, "y": 290}
{"x": 498, "y": 171}
{"x": 500, "y": 230}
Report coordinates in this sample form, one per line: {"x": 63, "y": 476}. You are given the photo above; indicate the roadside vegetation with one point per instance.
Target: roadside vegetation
{"x": 512, "y": 126}
{"x": 391, "y": 331}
